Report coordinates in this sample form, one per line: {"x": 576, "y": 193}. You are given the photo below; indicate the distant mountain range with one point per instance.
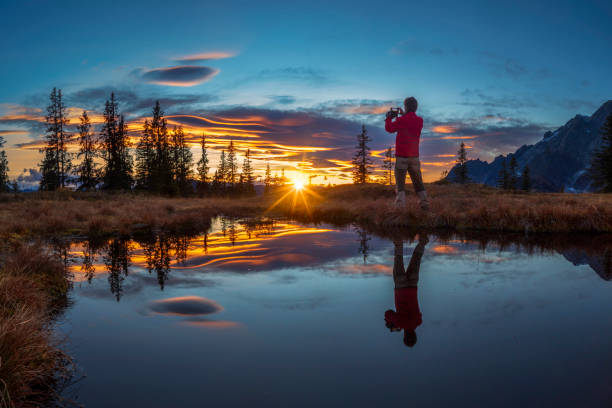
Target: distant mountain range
{"x": 557, "y": 162}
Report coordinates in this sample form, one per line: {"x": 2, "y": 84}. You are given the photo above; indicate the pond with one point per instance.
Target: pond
{"x": 278, "y": 313}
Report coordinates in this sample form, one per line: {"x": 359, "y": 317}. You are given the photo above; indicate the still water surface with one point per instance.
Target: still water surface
{"x": 281, "y": 314}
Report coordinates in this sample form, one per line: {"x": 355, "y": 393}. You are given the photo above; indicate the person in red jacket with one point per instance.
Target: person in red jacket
{"x": 407, "y": 315}
{"x": 408, "y": 127}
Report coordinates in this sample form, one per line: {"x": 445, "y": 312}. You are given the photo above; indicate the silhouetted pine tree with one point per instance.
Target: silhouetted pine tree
{"x": 247, "y": 174}
{"x": 267, "y": 178}
{"x": 114, "y": 144}
{"x": 526, "y": 183}
{"x": 86, "y": 171}
{"x": 362, "y": 161}
{"x": 388, "y": 165}
{"x": 231, "y": 164}
{"x": 215, "y": 187}
{"x": 145, "y": 158}
{"x": 601, "y": 163}
{"x": 222, "y": 170}
{"x": 462, "y": 170}
{"x": 513, "y": 180}
{"x": 182, "y": 160}
{"x": 4, "y": 181}
{"x": 503, "y": 179}
{"x": 203, "y": 165}
{"x": 283, "y": 179}
{"x": 56, "y": 161}
{"x": 163, "y": 177}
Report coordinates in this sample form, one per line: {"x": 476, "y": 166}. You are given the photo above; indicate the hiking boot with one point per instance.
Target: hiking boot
{"x": 423, "y": 201}
{"x": 400, "y": 199}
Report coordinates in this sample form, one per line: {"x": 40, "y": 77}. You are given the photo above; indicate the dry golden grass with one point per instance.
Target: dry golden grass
{"x": 452, "y": 206}
{"x": 468, "y": 207}
{"x": 31, "y": 364}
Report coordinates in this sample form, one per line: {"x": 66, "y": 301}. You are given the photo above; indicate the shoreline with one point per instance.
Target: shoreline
{"x": 453, "y": 207}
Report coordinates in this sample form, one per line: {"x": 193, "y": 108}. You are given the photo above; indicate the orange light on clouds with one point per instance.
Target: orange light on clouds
{"x": 204, "y": 56}
{"x": 457, "y": 137}
{"x": 444, "y": 129}
{"x": 365, "y": 109}
{"x": 444, "y": 249}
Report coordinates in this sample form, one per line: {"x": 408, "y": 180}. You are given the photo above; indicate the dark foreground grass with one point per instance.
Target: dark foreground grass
{"x": 33, "y": 286}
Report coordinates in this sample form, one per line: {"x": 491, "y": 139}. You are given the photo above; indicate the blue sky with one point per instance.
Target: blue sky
{"x": 493, "y": 74}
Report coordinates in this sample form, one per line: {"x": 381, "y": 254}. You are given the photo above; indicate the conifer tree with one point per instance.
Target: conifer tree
{"x": 86, "y": 171}
{"x": 114, "y": 143}
{"x": 145, "y": 158}
{"x": 283, "y": 180}
{"x": 247, "y": 173}
{"x": 503, "y": 180}
{"x": 232, "y": 164}
{"x": 388, "y": 165}
{"x": 462, "y": 170}
{"x": 267, "y": 178}
{"x": 4, "y": 181}
{"x": 362, "y": 162}
{"x": 203, "y": 163}
{"x": 216, "y": 183}
{"x": 601, "y": 163}
{"x": 56, "y": 162}
{"x": 223, "y": 169}
{"x": 182, "y": 160}
{"x": 513, "y": 181}
{"x": 526, "y": 184}
{"x": 163, "y": 168}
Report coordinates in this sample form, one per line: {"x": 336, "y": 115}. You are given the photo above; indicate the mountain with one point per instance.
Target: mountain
{"x": 557, "y": 162}
{"x": 602, "y": 264}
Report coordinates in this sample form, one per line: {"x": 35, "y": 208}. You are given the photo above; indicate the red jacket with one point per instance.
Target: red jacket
{"x": 408, "y": 128}
{"x": 408, "y": 315}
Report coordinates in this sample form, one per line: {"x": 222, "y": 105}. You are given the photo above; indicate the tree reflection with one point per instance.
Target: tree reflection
{"x": 117, "y": 260}
{"x": 364, "y": 247}
{"x": 157, "y": 255}
{"x": 407, "y": 315}
{"x": 89, "y": 256}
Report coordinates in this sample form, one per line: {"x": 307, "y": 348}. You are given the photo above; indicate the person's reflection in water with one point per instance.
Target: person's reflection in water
{"x": 407, "y": 315}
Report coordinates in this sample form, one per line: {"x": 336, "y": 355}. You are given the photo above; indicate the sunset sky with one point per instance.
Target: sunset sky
{"x": 295, "y": 81}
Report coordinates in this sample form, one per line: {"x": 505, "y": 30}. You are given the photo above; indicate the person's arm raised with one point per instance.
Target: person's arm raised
{"x": 390, "y": 126}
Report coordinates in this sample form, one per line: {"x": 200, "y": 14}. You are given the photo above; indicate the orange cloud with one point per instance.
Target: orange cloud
{"x": 444, "y": 249}
{"x": 444, "y": 129}
{"x": 457, "y": 137}
{"x": 365, "y": 109}
{"x": 13, "y": 132}
{"x": 210, "y": 324}
{"x": 205, "y": 56}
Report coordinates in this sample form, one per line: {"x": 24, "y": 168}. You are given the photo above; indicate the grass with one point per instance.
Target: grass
{"x": 32, "y": 284}
{"x": 470, "y": 207}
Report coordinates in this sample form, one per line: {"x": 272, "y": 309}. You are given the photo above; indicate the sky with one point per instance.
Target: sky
{"x": 294, "y": 82}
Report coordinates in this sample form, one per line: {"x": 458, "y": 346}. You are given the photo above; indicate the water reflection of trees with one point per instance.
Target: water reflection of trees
{"x": 363, "y": 239}
{"x": 116, "y": 256}
{"x": 159, "y": 250}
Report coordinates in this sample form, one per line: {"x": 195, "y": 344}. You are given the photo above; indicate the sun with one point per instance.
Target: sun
{"x": 298, "y": 184}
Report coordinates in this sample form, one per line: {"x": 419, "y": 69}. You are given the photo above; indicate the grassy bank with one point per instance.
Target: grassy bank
{"x": 452, "y": 207}
{"x": 33, "y": 287}
{"x": 470, "y": 207}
